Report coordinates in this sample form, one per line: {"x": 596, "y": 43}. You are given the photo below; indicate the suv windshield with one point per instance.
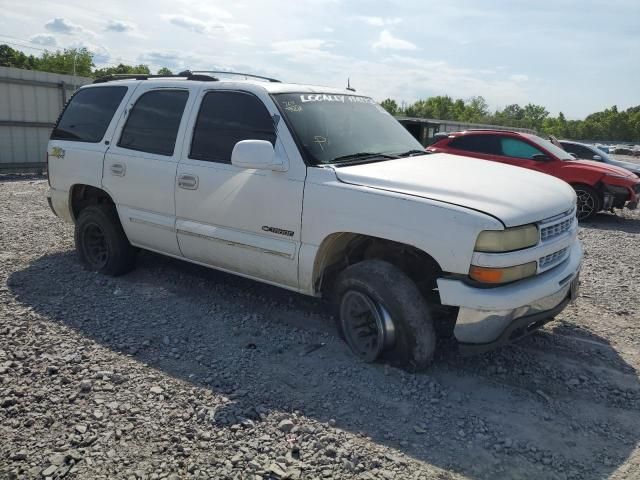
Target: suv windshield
{"x": 342, "y": 128}
{"x": 550, "y": 147}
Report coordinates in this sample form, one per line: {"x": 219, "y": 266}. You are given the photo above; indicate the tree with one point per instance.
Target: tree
{"x": 10, "y": 57}
{"x": 164, "y": 71}
{"x": 70, "y": 61}
{"x": 476, "y": 110}
{"x": 534, "y": 115}
{"x": 122, "y": 69}
{"x": 390, "y": 106}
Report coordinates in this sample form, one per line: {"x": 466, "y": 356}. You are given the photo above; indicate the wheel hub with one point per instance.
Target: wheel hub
{"x": 95, "y": 246}
{"x": 367, "y": 325}
{"x": 586, "y": 203}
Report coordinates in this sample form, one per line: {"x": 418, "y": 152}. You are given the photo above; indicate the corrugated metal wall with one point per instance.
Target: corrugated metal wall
{"x": 30, "y": 103}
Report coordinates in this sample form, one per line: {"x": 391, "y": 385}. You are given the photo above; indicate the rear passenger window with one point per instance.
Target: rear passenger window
{"x": 153, "y": 122}
{"x": 225, "y": 118}
{"x": 488, "y": 144}
{"x": 88, "y": 114}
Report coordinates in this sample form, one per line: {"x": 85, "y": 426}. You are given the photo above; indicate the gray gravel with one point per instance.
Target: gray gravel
{"x": 177, "y": 371}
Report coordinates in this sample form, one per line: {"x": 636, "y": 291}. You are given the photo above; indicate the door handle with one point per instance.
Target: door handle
{"x": 188, "y": 181}
{"x": 118, "y": 169}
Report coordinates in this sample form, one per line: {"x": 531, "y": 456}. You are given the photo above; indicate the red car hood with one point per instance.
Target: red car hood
{"x": 603, "y": 168}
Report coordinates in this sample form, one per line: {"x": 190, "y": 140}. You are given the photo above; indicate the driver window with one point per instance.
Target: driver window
{"x": 224, "y": 119}
{"x": 512, "y": 147}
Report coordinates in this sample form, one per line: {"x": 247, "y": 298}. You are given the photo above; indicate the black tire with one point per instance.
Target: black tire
{"x": 589, "y": 201}
{"x": 101, "y": 243}
{"x": 388, "y": 287}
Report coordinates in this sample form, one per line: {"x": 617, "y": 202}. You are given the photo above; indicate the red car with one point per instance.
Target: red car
{"x": 598, "y": 186}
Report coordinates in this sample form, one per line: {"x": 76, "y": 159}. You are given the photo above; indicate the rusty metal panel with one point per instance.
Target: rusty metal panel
{"x": 30, "y": 102}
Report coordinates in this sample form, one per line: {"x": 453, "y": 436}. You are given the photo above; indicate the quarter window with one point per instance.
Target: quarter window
{"x": 153, "y": 122}
{"x": 225, "y": 118}
{"x": 88, "y": 114}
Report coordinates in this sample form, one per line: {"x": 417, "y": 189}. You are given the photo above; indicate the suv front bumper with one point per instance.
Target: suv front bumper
{"x": 490, "y": 317}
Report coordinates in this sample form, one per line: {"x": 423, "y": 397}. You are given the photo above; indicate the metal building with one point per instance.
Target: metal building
{"x": 30, "y": 103}
{"x": 424, "y": 129}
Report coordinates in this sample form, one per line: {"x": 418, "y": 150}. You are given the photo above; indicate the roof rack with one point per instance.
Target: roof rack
{"x": 199, "y": 75}
{"x": 249, "y": 75}
{"x": 187, "y": 74}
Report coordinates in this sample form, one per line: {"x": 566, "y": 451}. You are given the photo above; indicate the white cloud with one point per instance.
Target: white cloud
{"x": 44, "y": 39}
{"x": 100, "y": 53}
{"x": 236, "y": 32}
{"x": 519, "y": 77}
{"x": 62, "y": 25}
{"x": 118, "y": 26}
{"x": 386, "y": 41}
{"x": 379, "y": 21}
{"x": 308, "y": 50}
{"x": 189, "y": 23}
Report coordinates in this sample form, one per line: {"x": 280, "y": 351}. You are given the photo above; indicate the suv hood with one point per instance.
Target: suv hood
{"x": 514, "y": 195}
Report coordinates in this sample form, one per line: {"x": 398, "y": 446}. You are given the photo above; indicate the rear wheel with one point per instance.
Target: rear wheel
{"x": 383, "y": 315}
{"x": 589, "y": 201}
{"x": 101, "y": 243}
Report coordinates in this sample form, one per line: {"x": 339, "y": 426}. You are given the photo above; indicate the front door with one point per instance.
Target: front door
{"x": 242, "y": 220}
{"x": 140, "y": 166}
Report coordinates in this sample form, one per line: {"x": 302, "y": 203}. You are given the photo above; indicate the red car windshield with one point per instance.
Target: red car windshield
{"x": 549, "y": 147}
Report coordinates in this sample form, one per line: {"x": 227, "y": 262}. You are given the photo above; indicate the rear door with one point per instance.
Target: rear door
{"x": 242, "y": 220}
{"x": 80, "y": 139}
{"x": 140, "y": 165}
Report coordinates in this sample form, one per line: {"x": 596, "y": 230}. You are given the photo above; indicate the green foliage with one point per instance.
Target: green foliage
{"x": 55, "y": 62}
{"x": 390, "y": 106}
{"x": 10, "y": 57}
{"x": 121, "y": 69}
{"x": 164, "y": 71}
{"x": 70, "y": 61}
{"x": 609, "y": 124}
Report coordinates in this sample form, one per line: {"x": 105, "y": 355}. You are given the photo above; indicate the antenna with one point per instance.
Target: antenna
{"x": 349, "y": 85}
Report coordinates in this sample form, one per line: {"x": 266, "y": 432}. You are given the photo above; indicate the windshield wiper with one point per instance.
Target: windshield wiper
{"x": 361, "y": 156}
{"x": 411, "y": 153}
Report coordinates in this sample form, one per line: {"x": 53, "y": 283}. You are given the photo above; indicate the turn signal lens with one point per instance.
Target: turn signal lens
{"x": 508, "y": 240}
{"x": 502, "y": 275}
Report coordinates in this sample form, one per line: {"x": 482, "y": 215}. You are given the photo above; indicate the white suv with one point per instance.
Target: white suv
{"x": 320, "y": 191}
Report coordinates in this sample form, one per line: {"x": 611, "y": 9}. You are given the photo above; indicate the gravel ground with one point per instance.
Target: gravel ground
{"x": 177, "y": 371}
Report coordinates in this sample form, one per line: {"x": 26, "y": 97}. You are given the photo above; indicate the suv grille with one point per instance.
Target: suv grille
{"x": 547, "y": 233}
{"x": 553, "y": 258}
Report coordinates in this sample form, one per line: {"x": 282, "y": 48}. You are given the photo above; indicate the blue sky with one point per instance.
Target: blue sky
{"x": 571, "y": 56}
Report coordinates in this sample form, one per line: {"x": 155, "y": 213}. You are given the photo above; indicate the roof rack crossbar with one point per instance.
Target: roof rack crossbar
{"x": 250, "y": 75}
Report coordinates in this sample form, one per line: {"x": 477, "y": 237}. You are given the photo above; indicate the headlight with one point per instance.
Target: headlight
{"x": 502, "y": 275}
{"x": 507, "y": 240}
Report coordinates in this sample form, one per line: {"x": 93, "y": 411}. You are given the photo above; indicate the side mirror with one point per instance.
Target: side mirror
{"x": 258, "y": 154}
{"x": 540, "y": 157}
{"x": 573, "y": 155}
{"x": 597, "y": 158}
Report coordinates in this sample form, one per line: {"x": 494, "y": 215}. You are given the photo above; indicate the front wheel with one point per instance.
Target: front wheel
{"x": 589, "y": 202}
{"x": 383, "y": 315}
